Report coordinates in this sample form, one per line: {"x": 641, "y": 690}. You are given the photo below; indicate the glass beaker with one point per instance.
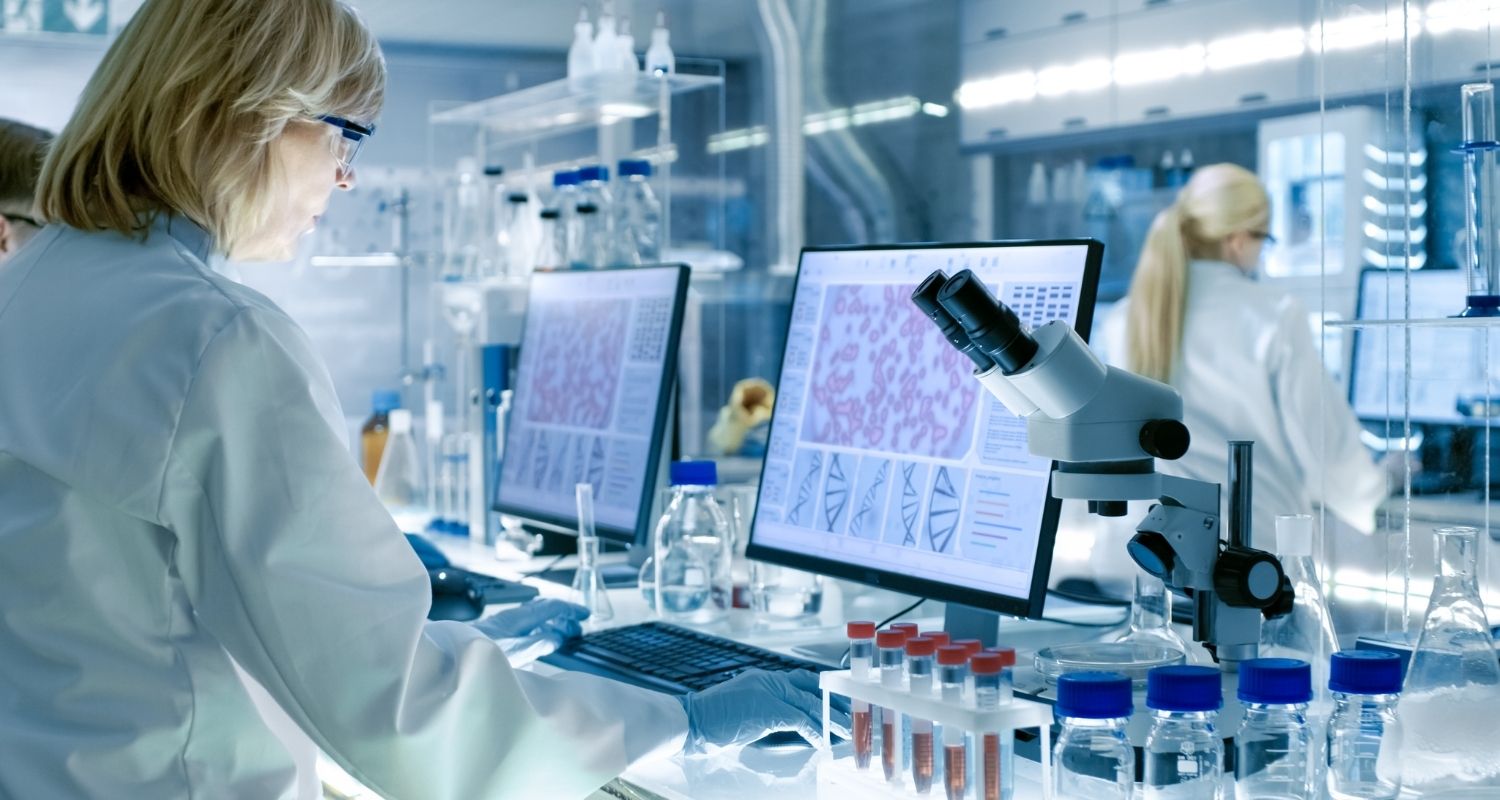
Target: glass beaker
{"x": 1479, "y": 150}
{"x": 1452, "y": 690}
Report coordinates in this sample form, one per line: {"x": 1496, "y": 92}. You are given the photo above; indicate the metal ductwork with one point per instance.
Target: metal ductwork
{"x": 783, "y": 70}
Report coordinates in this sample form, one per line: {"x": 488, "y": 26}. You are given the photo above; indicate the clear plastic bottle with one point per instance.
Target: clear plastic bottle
{"x": 861, "y": 659}
{"x": 376, "y": 431}
{"x": 890, "y": 648}
{"x": 1184, "y": 754}
{"x": 1273, "y": 750}
{"x": 464, "y": 223}
{"x": 920, "y": 651}
{"x": 606, "y": 41}
{"x": 994, "y": 686}
{"x": 625, "y": 61}
{"x": 581, "y": 51}
{"x": 514, "y": 247}
{"x": 692, "y": 548}
{"x": 1364, "y": 732}
{"x": 659, "y": 57}
{"x": 1452, "y": 694}
{"x": 1092, "y": 757}
{"x": 492, "y": 255}
{"x": 549, "y": 245}
{"x": 398, "y": 480}
{"x": 953, "y": 674}
{"x": 594, "y": 232}
{"x": 637, "y": 234}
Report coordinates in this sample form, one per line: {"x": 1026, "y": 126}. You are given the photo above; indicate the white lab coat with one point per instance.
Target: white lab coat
{"x": 175, "y": 490}
{"x": 1249, "y": 369}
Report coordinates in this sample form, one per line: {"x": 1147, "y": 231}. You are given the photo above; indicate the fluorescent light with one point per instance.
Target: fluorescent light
{"x": 1011, "y": 87}
{"x": 1394, "y": 261}
{"x": 1151, "y": 66}
{"x": 1374, "y": 206}
{"x": 1416, "y": 158}
{"x": 1360, "y": 30}
{"x": 1386, "y": 236}
{"x": 885, "y": 110}
{"x": 1256, "y": 48}
{"x": 1064, "y": 79}
{"x": 738, "y": 139}
{"x": 935, "y": 109}
{"x": 1459, "y": 15}
{"x": 824, "y": 121}
{"x": 1394, "y": 184}
{"x": 624, "y": 110}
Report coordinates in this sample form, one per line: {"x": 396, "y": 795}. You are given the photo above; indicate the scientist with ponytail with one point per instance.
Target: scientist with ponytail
{"x": 1243, "y": 356}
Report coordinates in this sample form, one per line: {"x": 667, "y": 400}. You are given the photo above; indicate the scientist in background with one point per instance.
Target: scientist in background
{"x": 1243, "y": 357}
{"x": 22, "y": 148}
{"x": 176, "y": 495}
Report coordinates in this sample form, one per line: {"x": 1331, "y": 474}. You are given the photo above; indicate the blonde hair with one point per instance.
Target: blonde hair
{"x": 1219, "y": 200}
{"x": 181, "y": 114}
{"x": 22, "y": 149}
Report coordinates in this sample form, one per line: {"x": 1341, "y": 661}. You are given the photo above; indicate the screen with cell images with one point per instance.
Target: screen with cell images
{"x": 591, "y": 392}
{"x": 1447, "y": 364}
{"x": 885, "y": 453}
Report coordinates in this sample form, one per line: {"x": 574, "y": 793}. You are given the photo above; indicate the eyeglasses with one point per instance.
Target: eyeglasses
{"x": 351, "y": 138}
{"x": 23, "y": 218}
{"x": 1264, "y": 236}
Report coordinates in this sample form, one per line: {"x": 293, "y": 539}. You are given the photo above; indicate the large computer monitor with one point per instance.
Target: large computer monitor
{"x": 888, "y": 463}
{"x": 1447, "y": 364}
{"x": 593, "y": 397}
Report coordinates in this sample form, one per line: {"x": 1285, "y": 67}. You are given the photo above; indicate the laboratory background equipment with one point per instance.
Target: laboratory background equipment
{"x": 375, "y": 431}
{"x": 1480, "y": 218}
{"x": 1364, "y": 732}
{"x": 1184, "y": 753}
{"x": 398, "y": 479}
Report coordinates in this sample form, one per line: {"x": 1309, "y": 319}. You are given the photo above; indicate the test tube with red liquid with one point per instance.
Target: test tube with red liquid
{"x": 890, "y": 648}
{"x": 994, "y": 685}
{"x": 953, "y": 673}
{"x": 919, "y": 653}
{"x": 861, "y": 658}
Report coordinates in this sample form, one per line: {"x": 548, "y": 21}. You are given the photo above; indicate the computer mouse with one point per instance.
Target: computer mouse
{"x": 453, "y": 596}
{"x": 428, "y": 552}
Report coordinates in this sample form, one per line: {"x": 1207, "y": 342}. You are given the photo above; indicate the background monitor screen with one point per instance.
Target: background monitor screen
{"x": 887, "y": 462}
{"x": 1447, "y": 363}
{"x": 592, "y": 391}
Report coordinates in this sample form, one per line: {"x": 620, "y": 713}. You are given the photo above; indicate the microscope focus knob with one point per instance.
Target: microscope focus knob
{"x": 1248, "y": 578}
{"x": 1165, "y": 438}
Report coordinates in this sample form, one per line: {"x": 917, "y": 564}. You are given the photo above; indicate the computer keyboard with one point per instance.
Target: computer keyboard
{"x": 668, "y": 658}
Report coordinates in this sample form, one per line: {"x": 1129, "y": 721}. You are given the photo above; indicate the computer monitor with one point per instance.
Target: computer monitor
{"x": 592, "y": 397}
{"x": 1447, "y": 364}
{"x": 888, "y": 464}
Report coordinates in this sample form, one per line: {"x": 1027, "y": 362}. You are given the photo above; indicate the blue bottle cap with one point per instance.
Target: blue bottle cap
{"x": 1184, "y": 688}
{"x": 593, "y": 172}
{"x": 695, "y": 473}
{"x": 1275, "y": 681}
{"x": 385, "y": 401}
{"x": 1366, "y": 672}
{"x": 1093, "y": 695}
{"x": 635, "y": 166}
{"x": 565, "y": 177}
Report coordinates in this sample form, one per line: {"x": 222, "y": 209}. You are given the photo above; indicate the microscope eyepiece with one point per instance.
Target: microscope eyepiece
{"x": 989, "y": 323}
{"x": 925, "y": 298}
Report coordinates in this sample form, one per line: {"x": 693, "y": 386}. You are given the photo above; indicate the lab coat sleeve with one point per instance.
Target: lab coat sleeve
{"x": 1321, "y": 430}
{"x": 292, "y": 563}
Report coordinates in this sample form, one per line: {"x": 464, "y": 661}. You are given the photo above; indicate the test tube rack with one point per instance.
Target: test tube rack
{"x": 840, "y": 774}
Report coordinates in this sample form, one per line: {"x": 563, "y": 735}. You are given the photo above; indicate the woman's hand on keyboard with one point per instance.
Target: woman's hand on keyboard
{"x": 755, "y": 703}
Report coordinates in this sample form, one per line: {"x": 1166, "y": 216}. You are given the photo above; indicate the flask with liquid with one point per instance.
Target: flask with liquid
{"x": 376, "y": 431}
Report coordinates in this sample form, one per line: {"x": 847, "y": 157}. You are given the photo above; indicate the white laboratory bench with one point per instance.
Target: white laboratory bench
{"x": 791, "y": 773}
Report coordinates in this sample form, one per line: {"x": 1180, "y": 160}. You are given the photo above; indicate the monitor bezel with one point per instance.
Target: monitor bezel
{"x": 564, "y": 523}
{"x": 1029, "y": 606}
{"x": 1367, "y": 274}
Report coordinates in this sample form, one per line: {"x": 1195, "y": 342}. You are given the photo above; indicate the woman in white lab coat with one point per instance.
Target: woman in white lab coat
{"x": 1242, "y": 355}
{"x": 176, "y": 493}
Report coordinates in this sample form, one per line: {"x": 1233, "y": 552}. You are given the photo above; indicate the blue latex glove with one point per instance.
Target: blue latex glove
{"x": 755, "y": 703}
{"x": 554, "y": 620}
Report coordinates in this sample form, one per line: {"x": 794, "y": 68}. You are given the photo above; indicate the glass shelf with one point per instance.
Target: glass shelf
{"x": 1441, "y": 322}
{"x": 559, "y": 107}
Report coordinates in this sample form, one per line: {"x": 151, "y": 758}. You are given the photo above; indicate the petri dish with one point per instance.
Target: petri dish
{"x": 1128, "y": 658}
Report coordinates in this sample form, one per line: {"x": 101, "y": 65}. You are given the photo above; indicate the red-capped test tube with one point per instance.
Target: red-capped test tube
{"x": 908, "y": 628}
{"x": 890, "y": 649}
{"x": 953, "y": 673}
{"x": 861, "y": 659}
{"x": 994, "y": 683}
{"x": 919, "y": 653}
{"x": 973, "y": 647}
{"x": 941, "y": 637}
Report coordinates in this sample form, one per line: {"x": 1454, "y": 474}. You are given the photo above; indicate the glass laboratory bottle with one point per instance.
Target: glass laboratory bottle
{"x": 953, "y": 674}
{"x": 512, "y": 228}
{"x": 376, "y": 430}
{"x": 1273, "y": 750}
{"x": 637, "y": 216}
{"x": 994, "y": 686}
{"x": 491, "y": 254}
{"x": 920, "y": 651}
{"x": 861, "y": 659}
{"x": 398, "y": 480}
{"x": 1184, "y": 754}
{"x": 594, "y": 228}
{"x": 565, "y": 199}
{"x": 1151, "y": 615}
{"x": 1452, "y": 694}
{"x": 550, "y": 242}
{"x": 463, "y": 222}
{"x": 693, "y": 551}
{"x": 591, "y": 249}
{"x": 1364, "y": 733}
{"x": 890, "y": 649}
{"x": 1092, "y": 756}
{"x": 1481, "y": 217}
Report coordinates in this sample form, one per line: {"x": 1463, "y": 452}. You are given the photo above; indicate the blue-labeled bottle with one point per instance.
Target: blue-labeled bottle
{"x": 1273, "y": 751}
{"x": 1092, "y": 757}
{"x": 1184, "y": 754}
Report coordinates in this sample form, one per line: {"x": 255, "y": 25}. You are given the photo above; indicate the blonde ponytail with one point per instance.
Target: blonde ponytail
{"x": 1221, "y": 199}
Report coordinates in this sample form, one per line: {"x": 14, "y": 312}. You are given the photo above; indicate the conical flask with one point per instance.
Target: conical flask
{"x": 1451, "y": 697}
{"x": 588, "y": 581}
{"x": 398, "y": 480}
{"x": 1151, "y": 615}
{"x": 1306, "y": 632}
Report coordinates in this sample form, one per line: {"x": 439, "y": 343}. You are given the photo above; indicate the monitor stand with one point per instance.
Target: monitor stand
{"x": 967, "y": 622}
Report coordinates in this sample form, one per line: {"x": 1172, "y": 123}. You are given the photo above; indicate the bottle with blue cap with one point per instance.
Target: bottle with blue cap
{"x": 692, "y": 549}
{"x": 1184, "y": 753}
{"x": 1364, "y": 733}
{"x": 595, "y": 218}
{"x": 637, "y": 235}
{"x": 1092, "y": 756}
{"x": 564, "y": 200}
{"x": 1273, "y": 751}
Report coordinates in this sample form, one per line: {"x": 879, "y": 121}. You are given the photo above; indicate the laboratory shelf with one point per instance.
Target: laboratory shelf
{"x": 563, "y": 106}
{"x": 1440, "y": 322}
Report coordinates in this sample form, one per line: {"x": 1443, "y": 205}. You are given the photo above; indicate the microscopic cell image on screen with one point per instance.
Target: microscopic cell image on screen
{"x": 579, "y": 356}
{"x": 885, "y": 379}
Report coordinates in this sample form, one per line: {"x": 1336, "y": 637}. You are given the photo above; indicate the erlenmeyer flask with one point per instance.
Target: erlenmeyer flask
{"x": 1452, "y": 692}
{"x": 1151, "y": 615}
{"x": 1306, "y": 632}
{"x": 398, "y": 479}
